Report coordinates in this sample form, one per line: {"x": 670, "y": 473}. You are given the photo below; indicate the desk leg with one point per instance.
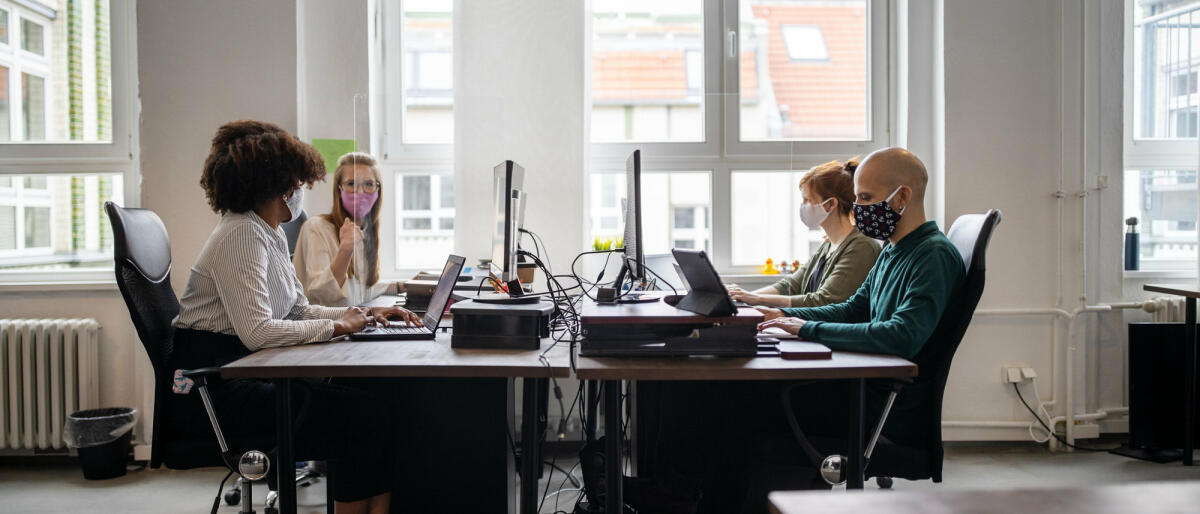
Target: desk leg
{"x": 1189, "y": 389}
{"x": 614, "y": 500}
{"x": 531, "y": 444}
{"x": 592, "y": 409}
{"x": 285, "y": 459}
{"x": 854, "y": 464}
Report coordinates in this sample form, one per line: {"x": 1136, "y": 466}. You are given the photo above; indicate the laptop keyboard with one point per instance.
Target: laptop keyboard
{"x": 395, "y": 330}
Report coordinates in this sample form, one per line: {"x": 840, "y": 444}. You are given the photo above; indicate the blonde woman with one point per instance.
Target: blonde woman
{"x": 337, "y": 254}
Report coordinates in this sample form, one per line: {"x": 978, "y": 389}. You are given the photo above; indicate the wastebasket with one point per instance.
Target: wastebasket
{"x": 102, "y": 438}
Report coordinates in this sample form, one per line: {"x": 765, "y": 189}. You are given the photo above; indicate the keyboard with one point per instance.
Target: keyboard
{"x": 395, "y": 330}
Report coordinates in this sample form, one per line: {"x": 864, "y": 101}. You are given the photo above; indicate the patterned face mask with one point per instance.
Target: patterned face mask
{"x": 877, "y": 220}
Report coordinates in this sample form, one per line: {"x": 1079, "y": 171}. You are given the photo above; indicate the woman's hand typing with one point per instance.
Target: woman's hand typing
{"x": 353, "y": 320}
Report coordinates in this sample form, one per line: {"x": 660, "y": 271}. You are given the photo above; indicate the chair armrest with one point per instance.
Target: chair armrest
{"x": 201, "y": 372}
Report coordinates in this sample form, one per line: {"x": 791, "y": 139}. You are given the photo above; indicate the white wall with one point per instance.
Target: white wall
{"x": 1023, "y": 120}
{"x": 332, "y": 69}
{"x": 522, "y": 89}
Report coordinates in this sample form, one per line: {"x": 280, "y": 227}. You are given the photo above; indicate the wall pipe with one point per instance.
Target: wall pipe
{"x": 1070, "y": 417}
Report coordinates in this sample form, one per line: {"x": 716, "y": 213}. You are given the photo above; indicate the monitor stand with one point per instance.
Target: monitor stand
{"x": 505, "y": 299}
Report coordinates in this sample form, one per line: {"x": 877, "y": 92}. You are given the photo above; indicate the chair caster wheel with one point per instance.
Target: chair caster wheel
{"x": 883, "y": 482}
{"x": 233, "y": 496}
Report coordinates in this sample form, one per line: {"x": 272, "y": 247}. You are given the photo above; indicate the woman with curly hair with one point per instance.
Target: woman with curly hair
{"x": 243, "y": 296}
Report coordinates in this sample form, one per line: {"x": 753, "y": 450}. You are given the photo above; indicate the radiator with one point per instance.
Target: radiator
{"x": 1165, "y": 309}
{"x": 49, "y": 368}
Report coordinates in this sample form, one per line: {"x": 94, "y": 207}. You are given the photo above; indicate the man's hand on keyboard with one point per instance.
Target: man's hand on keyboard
{"x": 381, "y": 315}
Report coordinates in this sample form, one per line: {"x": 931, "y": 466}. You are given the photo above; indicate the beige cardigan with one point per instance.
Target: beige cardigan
{"x": 315, "y": 248}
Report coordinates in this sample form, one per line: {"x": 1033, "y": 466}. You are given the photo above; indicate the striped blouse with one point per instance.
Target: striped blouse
{"x": 243, "y": 284}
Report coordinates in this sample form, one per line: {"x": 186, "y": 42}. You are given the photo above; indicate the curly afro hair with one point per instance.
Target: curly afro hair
{"x": 253, "y": 161}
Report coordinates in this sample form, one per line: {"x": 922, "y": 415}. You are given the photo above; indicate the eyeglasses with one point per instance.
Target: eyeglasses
{"x": 368, "y": 186}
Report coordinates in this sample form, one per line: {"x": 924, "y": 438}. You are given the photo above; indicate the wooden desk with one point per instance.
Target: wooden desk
{"x": 1189, "y": 292}
{"x": 434, "y": 359}
{"x": 1145, "y": 498}
{"x": 612, "y": 371}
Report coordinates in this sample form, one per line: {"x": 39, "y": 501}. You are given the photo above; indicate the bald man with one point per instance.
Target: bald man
{"x": 902, "y": 299}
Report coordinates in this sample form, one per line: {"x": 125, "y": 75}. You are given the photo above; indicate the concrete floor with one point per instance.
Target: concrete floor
{"x": 56, "y": 488}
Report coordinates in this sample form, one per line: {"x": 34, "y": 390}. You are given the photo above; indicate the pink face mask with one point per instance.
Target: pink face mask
{"x": 358, "y": 204}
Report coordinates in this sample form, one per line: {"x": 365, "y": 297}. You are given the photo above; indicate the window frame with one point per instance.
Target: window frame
{"x": 397, "y": 157}
{"x": 721, "y": 153}
{"x": 79, "y": 158}
{"x": 1145, "y": 153}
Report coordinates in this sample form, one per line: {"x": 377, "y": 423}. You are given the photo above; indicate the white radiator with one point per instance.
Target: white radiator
{"x": 1166, "y": 309}
{"x": 49, "y": 368}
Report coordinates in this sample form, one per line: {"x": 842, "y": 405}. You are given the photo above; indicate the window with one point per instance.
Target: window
{"x": 65, "y": 85}
{"x": 1164, "y": 201}
{"x": 778, "y": 86}
{"x": 804, "y": 85}
{"x": 416, "y": 60}
{"x": 427, "y": 42}
{"x": 1161, "y": 130}
{"x": 56, "y": 222}
{"x": 33, "y": 107}
{"x": 648, "y": 70}
{"x": 675, "y": 208}
{"x": 33, "y": 37}
{"x": 425, "y": 217}
{"x": 766, "y": 222}
{"x": 805, "y": 43}
{"x": 4, "y": 27}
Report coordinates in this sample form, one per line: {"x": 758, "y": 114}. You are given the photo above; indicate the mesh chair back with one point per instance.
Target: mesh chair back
{"x": 142, "y": 257}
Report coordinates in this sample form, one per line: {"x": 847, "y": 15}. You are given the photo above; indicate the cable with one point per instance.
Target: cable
{"x": 1056, "y": 436}
{"x": 1042, "y": 409}
{"x": 221, "y": 489}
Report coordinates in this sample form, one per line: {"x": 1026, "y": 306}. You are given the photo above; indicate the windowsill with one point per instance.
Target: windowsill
{"x": 1159, "y": 274}
{"x": 57, "y": 287}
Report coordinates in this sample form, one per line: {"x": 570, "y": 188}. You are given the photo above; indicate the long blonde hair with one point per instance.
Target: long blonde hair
{"x": 338, "y": 214}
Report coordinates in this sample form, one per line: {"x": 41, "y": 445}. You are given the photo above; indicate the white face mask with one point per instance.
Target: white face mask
{"x": 814, "y": 215}
{"x": 295, "y": 203}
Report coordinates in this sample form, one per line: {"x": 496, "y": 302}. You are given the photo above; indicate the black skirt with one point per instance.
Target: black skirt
{"x": 347, "y": 426}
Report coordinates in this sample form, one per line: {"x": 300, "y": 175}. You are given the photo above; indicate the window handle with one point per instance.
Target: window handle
{"x": 731, "y": 43}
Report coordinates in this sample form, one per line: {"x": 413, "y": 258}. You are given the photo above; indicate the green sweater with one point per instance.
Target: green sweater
{"x": 845, "y": 270}
{"x": 900, "y": 303}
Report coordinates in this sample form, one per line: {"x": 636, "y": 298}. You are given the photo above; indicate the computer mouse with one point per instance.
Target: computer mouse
{"x": 672, "y": 299}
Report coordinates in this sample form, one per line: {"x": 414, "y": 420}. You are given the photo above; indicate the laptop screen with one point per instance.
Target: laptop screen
{"x": 441, "y": 295}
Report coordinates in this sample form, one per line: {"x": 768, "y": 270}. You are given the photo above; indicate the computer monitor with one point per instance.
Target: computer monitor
{"x": 634, "y": 265}
{"x": 508, "y": 179}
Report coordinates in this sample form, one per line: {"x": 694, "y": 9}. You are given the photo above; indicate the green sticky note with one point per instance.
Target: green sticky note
{"x": 332, "y": 150}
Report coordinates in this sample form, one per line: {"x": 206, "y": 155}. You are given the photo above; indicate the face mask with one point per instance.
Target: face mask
{"x": 359, "y": 204}
{"x": 814, "y": 215}
{"x": 295, "y": 203}
{"x": 877, "y": 220}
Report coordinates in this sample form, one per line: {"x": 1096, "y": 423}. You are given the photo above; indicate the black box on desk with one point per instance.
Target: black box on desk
{"x": 489, "y": 325}
{"x": 658, "y": 329}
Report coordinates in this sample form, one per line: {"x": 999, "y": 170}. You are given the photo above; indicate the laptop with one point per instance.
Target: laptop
{"x": 433, "y": 315}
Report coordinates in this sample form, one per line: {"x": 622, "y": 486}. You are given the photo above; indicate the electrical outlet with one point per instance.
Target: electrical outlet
{"x": 1101, "y": 181}
{"x": 1015, "y": 373}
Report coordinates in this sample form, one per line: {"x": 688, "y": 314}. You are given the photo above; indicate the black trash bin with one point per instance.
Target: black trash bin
{"x": 102, "y": 438}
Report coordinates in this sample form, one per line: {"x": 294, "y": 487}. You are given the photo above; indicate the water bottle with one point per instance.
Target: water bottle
{"x": 1131, "y": 244}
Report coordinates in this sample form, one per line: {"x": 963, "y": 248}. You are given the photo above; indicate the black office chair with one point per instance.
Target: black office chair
{"x": 922, "y": 460}
{"x": 142, "y": 258}
{"x": 291, "y": 229}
